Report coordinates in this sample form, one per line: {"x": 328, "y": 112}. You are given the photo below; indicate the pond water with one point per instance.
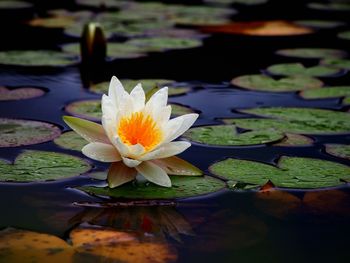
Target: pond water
{"x": 230, "y": 225}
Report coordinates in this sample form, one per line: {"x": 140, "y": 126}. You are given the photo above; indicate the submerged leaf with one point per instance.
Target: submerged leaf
{"x": 292, "y": 140}
{"x": 20, "y": 93}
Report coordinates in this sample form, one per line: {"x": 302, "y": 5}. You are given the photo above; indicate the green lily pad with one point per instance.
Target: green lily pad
{"x": 16, "y": 132}
{"x": 295, "y": 120}
{"x": 290, "y": 172}
{"x": 266, "y": 83}
{"x": 227, "y": 135}
{"x": 295, "y": 140}
{"x": 292, "y": 69}
{"x": 320, "y": 23}
{"x": 34, "y": 166}
{"x": 182, "y": 187}
{"x": 337, "y": 63}
{"x": 20, "y": 93}
{"x": 39, "y": 58}
{"x": 344, "y": 35}
{"x": 241, "y": 2}
{"x": 346, "y": 101}
{"x": 178, "y": 110}
{"x": 338, "y": 150}
{"x": 14, "y": 4}
{"x": 71, "y": 141}
{"x": 326, "y": 93}
{"x": 157, "y": 44}
{"x": 330, "y": 6}
{"x": 114, "y": 50}
{"x": 103, "y": 3}
{"x": 317, "y": 53}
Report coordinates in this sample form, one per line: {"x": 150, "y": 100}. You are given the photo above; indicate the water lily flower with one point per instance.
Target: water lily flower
{"x": 136, "y": 136}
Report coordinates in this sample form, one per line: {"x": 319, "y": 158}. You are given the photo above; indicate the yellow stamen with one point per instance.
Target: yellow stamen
{"x": 139, "y": 128}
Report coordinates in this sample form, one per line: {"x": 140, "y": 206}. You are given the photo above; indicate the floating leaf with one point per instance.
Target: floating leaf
{"x": 339, "y": 150}
{"x": 344, "y": 35}
{"x": 26, "y": 246}
{"x": 36, "y": 166}
{"x": 227, "y": 135}
{"x": 16, "y": 132}
{"x": 259, "y": 28}
{"x": 337, "y": 63}
{"x": 102, "y": 3}
{"x": 330, "y": 6}
{"x": 326, "y": 93}
{"x": 295, "y": 140}
{"x": 157, "y": 44}
{"x": 296, "y": 120}
{"x": 71, "y": 141}
{"x": 346, "y": 101}
{"x": 320, "y": 23}
{"x": 182, "y": 187}
{"x": 266, "y": 83}
{"x": 290, "y": 172}
{"x": 241, "y": 2}
{"x": 39, "y": 58}
{"x": 292, "y": 69}
{"x": 178, "y": 110}
{"x": 20, "y": 93}
{"x": 14, "y": 5}
{"x": 318, "y": 53}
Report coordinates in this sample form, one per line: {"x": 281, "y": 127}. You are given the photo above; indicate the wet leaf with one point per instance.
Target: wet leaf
{"x": 292, "y": 69}
{"x": 182, "y": 187}
{"x": 296, "y": 140}
{"x": 16, "y": 132}
{"x": 317, "y": 53}
{"x": 227, "y": 135}
{"x": 38, "y": 58}
{"x": 20, "y": 93}
{"x": 344, "y": 35}
{"x": 326, "y": 93}
{"x": 322, "y": 24}
{"x": 36, "y": 166}
{"x": 26, "y": 246}
{"x": 71, "y": 141}
{"x": 295, "y": 120}
{"x": 290, "y": 172}
{"x": 337, "y": 63}
{"x": 338, "y": 150}
{"x": 266, "y": 83}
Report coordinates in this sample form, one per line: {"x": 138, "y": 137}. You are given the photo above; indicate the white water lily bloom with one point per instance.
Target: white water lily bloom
{"x": 137, "y": 134}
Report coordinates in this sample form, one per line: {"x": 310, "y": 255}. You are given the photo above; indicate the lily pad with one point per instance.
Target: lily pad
{"x": 34, "y": 166}
{"x": 157, "y": 44}
{"x": 22, "y": 93}
{"x": 338, "y": 150}
{"x": 290, "y": 172}
{"x": 14, "y": 5}
{"x": 39, "y": 58}
{"x": 266, "y": 83}
{"x": 330, "y": 6}
{"x": 337, "y": 63}
{"x": 295, "y": 120}
{"x": 241, "y": 2}
{"x": 346, "y": 101}
{"x": 71, "y": 141}
{"x": 178, "y": 110}
{"x": 102, "y": 3}
{"x": 344, "y": 35}
{"x": 52, "y": 22}
{"x": 326, "y": 93}
{"x": 323, "y": 24}
{"x": 317, "y": 53}
{"x": 183, "y": 186}
{"x": 292, "y": 69}
{"x": 292, "y": 140}
{"x": 16, "y": 132}
{"x": 227, "y": 135}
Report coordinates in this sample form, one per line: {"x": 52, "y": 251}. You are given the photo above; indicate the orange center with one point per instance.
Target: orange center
{"x": 139, "y": 128}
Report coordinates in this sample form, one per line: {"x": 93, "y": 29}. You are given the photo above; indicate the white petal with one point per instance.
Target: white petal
{"x": 122, "y": 148}
{"x": 177, "y": 126}
{"x": 135, "y": 150}
{"x": 164, "y": 116}
{"x": 157, "y": 102}
{"x": 90, "y": 131}
{"x": 101, "y": 152}
{"x": 109, "y": 116}
{"x": 131, "y": 162}
{"x": 167, "y": 150}
{"x": 116, "y": 91}
{"x": 119, "y": 174}
{"x": 154, "y": 174}
{"x": 138, "y": 97}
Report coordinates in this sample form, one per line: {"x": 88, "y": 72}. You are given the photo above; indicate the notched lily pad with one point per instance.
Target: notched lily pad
{"x": 21, "y": 93}
{"x": 292, "y": 69}
{"x": 227, "y": 135}
{"x": 266, "y": 83}
{"x": 16, "y": 132}
{"x": 35, "y": 166}
{"x": 71, "y": 141}
{"x": 337, "y": 63}
{"x": 344, "y": 35}
{"x": 290, "y": 172}
{"x": 326, "y": 93}
{"x": 322, "y": 24}
{"x": 338, "y": 150}
{"x": 182, "y": 187}
{"x": 38, "y": 58}
{"x": 317, "y": 53}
